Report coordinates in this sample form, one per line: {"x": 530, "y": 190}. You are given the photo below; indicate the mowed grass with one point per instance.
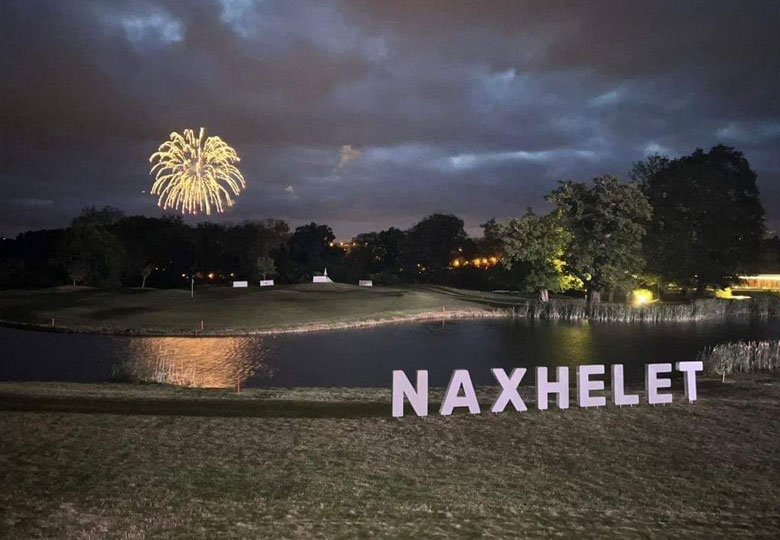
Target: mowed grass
{"x": 225, "y": 310}
{"x": 213, "y": 464}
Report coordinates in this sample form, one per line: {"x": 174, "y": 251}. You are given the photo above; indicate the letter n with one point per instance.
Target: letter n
{"x": 418, "y": 397}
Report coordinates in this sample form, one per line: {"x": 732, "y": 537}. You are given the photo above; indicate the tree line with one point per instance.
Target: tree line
{"x": 695, "y": 222}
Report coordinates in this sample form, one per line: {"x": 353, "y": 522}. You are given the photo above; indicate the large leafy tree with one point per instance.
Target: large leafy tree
{"x": 396, "y": 253}
{"x": 707, "y": 221}
{"x": 606, "y": 222}
{"x": 434, "y": 242}
{"x": 165, "y": 243}
{"x": 249, "y": 241}
{"x": 309, "y": 250}
{"x": 92, "y": 254}
{"x": 533, "y": 245}
{"x": 366, "y": 256}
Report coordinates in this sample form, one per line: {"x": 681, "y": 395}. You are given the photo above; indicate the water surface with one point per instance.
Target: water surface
{"x": 362, "y": 357}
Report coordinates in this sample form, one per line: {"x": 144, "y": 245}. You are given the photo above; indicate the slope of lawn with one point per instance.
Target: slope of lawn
{"x": 145, "y": 461}
{"x": 223, "y": 309}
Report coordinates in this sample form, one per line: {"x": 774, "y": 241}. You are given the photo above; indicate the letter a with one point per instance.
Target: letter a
{"x": 460, "y": 379}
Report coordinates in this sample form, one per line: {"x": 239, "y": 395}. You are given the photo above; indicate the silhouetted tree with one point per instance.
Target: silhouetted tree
{"x": 309, "y": 250}
{"x": 707, "y": 221}
{"x": 93, "y": 254}
{"x": 145, "y": 273}
{"x": 265, "y": 266}
{"x": 434, "y": 243}
{"x": 165, "y": 242}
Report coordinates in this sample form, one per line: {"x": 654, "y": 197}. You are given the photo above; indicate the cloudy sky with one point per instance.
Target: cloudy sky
{"x": 363, "y": 115}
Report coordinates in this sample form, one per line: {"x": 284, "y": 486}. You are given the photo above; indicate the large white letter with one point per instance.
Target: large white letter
{"x": 653, "y": 383}
{"x": 619, "y": 397}
{"x": 690, "y": 369}
{"x": 418, "y": 397}
{"x": 545, "y": 387}
{"x": 460, "y": 378}
{"x": 585, "y": 385}
{"x": 508, "y": 390}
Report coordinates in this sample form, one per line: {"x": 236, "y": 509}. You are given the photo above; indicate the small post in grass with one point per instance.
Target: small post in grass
{"x": 238, "y": 385}
{"x": 201, "y": 324}
{"x": 52, "y": 322}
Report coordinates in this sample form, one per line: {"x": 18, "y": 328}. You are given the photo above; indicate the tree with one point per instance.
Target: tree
{"x": 606, "y": 222}
{"x": 145, "y": 273}
{"x": 265, "y": 266}
{"x": 434, "y": 241}
{"x": 92, "y": 254}
{"x": 211, "y": 247}
{"x": 534, "y": 245}
{"x": 271, "y": 233}
{"x": 396, "y": 254}
{"x": 708, "y": 220}
{"x": 100, "y": 217}
{"x": 76, "y": 263}
{"x": 40, "y": 252}
{"x": 12, "y": 270}
{"x": 365, "y": 256}
{"x": 310, "y": 249}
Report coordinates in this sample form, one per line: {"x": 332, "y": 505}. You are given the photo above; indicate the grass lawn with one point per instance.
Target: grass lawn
{"x": 146, "y": 461}
{"x": 225, "y": 310}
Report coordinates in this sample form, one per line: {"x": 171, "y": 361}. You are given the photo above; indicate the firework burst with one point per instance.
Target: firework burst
{"x": 195, "y": 174}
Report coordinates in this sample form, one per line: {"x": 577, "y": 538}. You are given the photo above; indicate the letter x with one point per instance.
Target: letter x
{"x": 508, "y": 390}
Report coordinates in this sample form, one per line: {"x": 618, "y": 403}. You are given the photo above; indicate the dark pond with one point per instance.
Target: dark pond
{"x": 363, "y": 358}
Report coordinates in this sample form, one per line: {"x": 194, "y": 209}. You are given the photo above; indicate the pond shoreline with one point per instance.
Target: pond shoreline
{"x": 426, "y": 316}
{"x": 554, "y": 310}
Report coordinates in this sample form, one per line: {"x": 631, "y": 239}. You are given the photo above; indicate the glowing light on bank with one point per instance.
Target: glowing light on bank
{"x": 727, "y": 294}
{"x": 641, "y": 297}
{"x": 195, "y": 174}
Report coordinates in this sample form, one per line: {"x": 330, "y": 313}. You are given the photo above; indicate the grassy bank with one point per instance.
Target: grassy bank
{"x": 762, "y": 306}
{"x": 308, "y": 307}
{"x": 741, "y": 357}
{"x": 159, "y": 462}
{"x": 237, "y": 311}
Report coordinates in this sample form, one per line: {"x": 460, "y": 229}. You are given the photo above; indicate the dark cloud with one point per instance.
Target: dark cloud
{"x": 475, "y": 108}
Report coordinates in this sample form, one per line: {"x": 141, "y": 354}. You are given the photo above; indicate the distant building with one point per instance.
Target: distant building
{"x": 322, "y": 279}
{"x": 758, "y": 282}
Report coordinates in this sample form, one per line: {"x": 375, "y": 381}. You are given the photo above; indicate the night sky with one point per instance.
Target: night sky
{"x": 363, "y": 115}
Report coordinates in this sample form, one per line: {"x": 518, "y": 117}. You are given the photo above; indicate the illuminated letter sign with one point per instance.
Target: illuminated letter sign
{"x": 460, "y": 391}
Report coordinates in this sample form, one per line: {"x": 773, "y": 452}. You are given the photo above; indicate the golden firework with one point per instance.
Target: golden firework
{"x": 195, "y": 174}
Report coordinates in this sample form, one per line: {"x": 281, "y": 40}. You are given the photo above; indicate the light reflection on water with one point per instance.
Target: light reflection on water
{"x": 201, "y": 362}
{"x": 364, "y": 357}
